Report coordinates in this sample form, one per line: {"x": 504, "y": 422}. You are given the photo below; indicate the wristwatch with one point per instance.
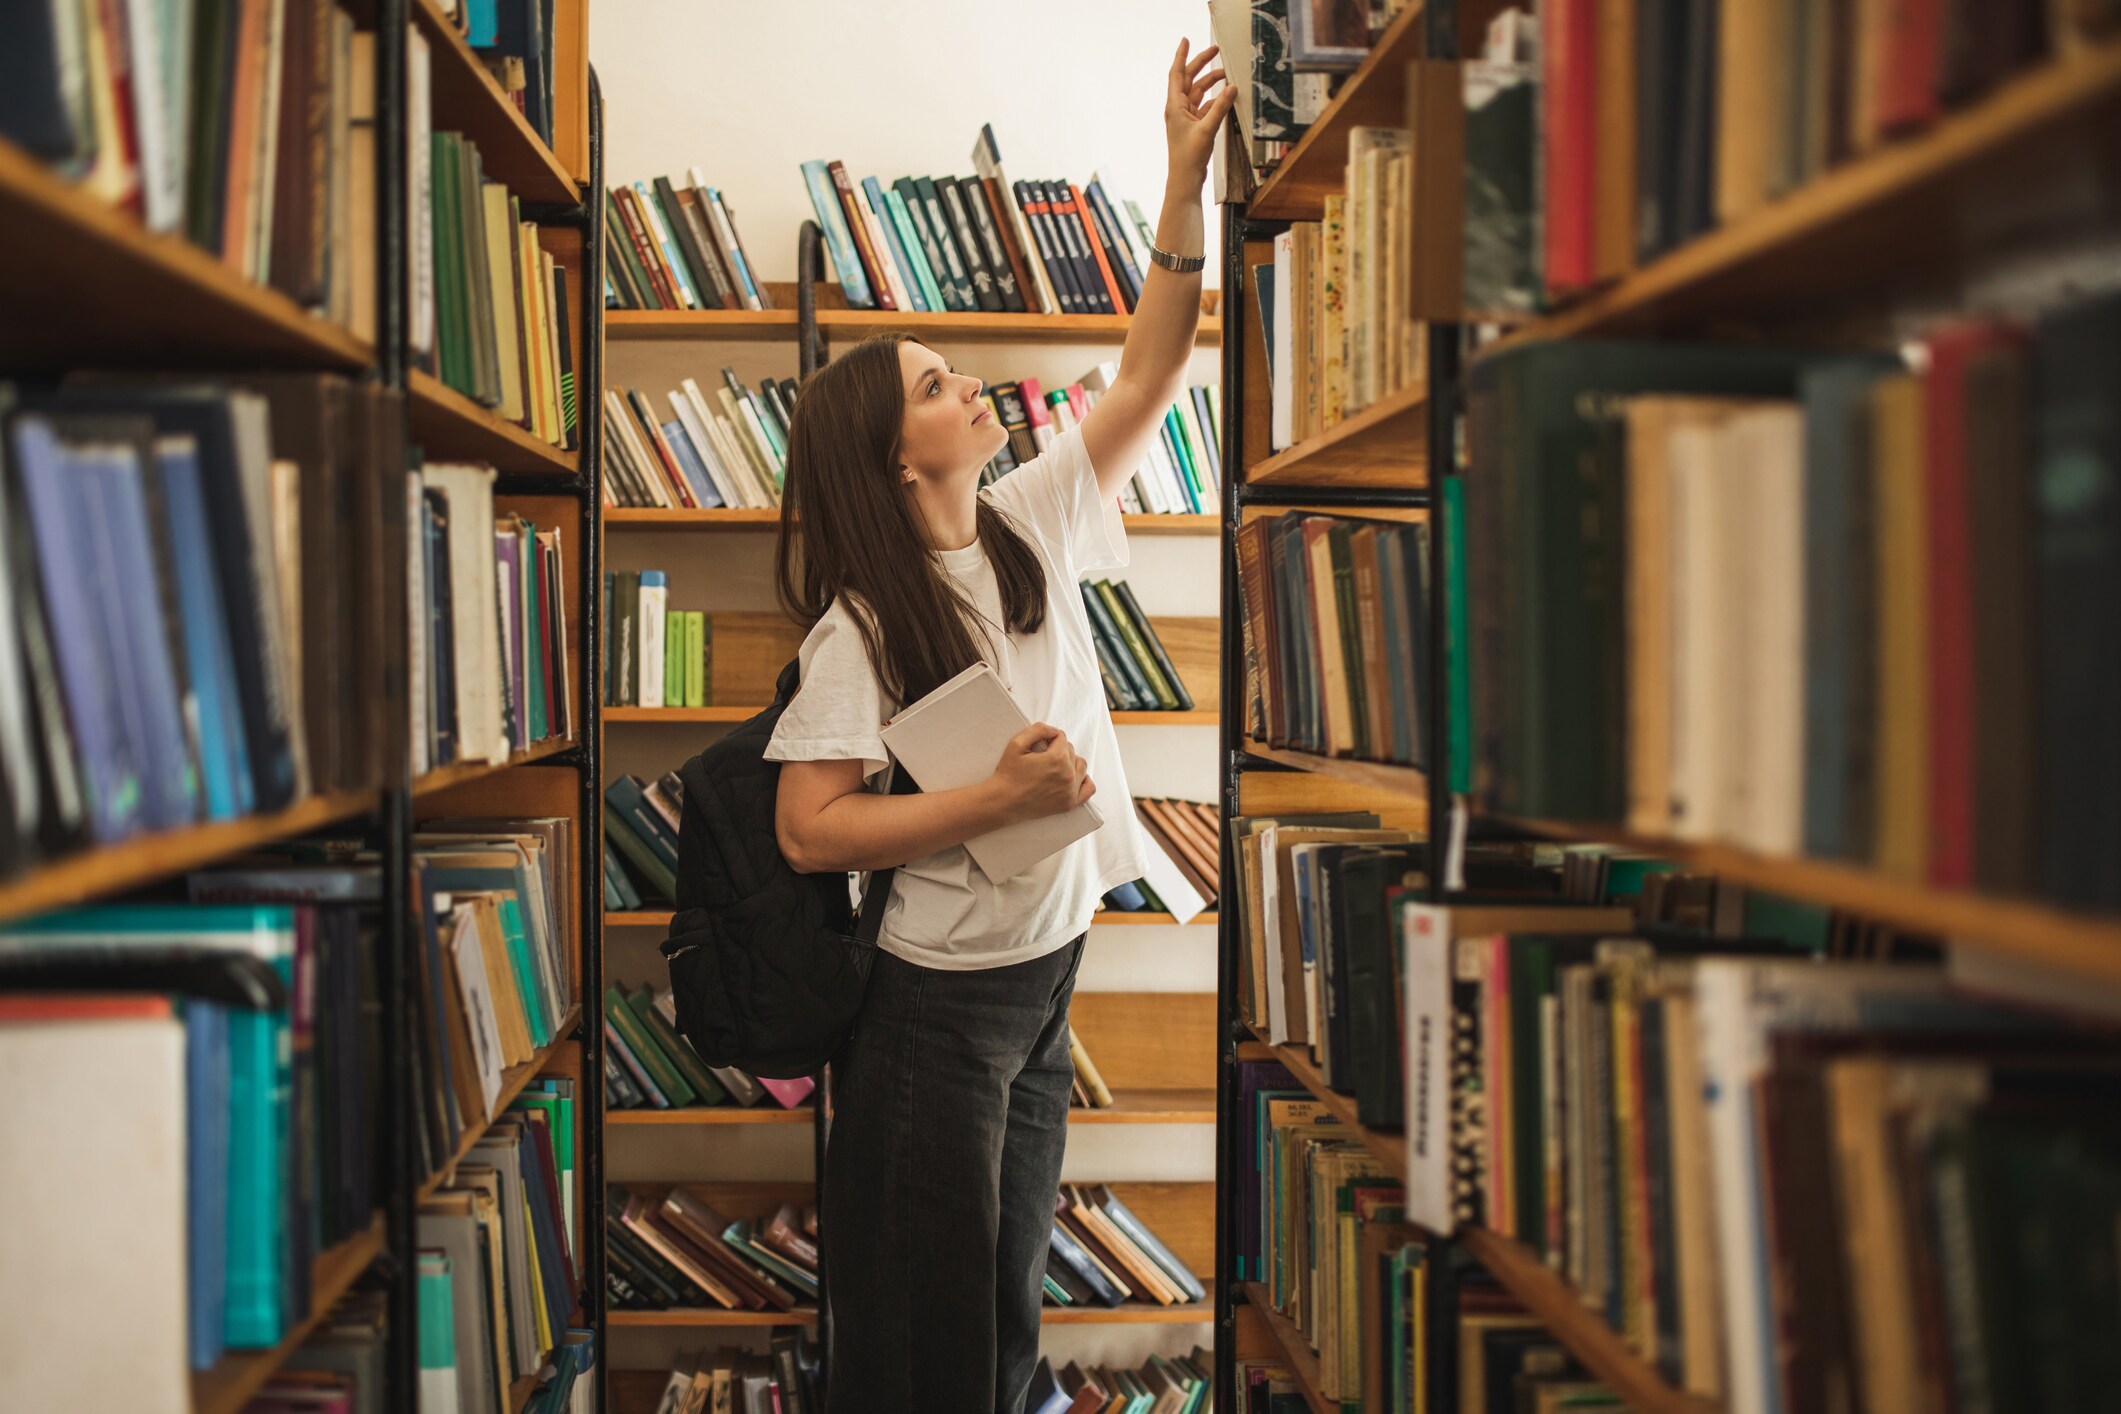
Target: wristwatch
{"x": 1179, "y": 264}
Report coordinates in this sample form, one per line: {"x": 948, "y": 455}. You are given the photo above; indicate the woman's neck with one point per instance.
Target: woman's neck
{"x": 951, "y": 516}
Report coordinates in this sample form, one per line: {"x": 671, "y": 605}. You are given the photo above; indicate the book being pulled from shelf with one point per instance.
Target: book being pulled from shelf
{"x": 486, "y": 604}
{"x": 676, "y": 247}
{"x": 980, "y": 243}
{"x": 248, "y": 130}
{"x": 1102, "y": 1254}
{"x": 786, "y": 1379}
{"x": 490, "y": 303}
{"x": 1181, "y": 1383}
{"x": 200, "y": 1075}
{"x": 1336, "y": 634}
{"x": 1182, "y": 473}
{"x": 649, "y": 1064}
{"x": 727, "y": 448}
{"x": 681, "y": 1247}
{"x": 183, "y": 635}
{"x": 1855, "y": 610}
{"x": 654, "y": 656}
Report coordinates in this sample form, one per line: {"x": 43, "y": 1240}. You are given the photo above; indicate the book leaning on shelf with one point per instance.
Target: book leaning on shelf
{"x": 1179, "y": 1383}
{"x": 676, "y": 247}
{"x": 1182, "y": 861}
{"x": 675, "y": 1248}
{"x": 654, "y": 655}
{"x": 649, "y": 1064}
{"x": 725, "y": 448}
{"x": 786, "y": 1378}
{"x": 183, "y": 634}
{"x": 248, "y": 130}
{"x": 1138, "y": 673}
{"x": 1101, "y": 1254}
{"x": 1182, "y": 473}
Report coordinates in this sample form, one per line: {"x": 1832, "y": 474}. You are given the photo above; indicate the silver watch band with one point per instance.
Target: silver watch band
{"x": 1179, "y": 264}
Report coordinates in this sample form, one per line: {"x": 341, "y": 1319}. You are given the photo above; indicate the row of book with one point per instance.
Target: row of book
{"x": 1101, "y": 1254}
{"x": 1137, "y": 672}
{"x": 675, "y": 1248}
{"x": 673, "y": 247}
{"x": 249, "y": 130}
{"x": 1335, "y": 302}
{"x": 1162, "y": 1384}
{"x": 981, "y": 243}
{"x": 182, "y": 615}
{"x": 730, "y": 449}
{"x": 1337, "y": 652}
{"x": 489, "y": 671}
{"x": 649, "y": 1064}
{"x": 490, "y": 314}
{"x": 514, "y": 40}
{"x": 641, "y": 823}
{"x": 1840, "y": 606}
{"x": 1722, "y": 108}
{"x": 1182, "y": 474}
{"x": 784, "y": 1380}
{"x": 656, "y": 656}
{"x": 499, "y": 917}
{"x": 1285, "y": 59}
{"x": 1183, "y": 869}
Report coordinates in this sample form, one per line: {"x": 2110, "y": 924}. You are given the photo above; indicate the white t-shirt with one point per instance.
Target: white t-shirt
{"x": 944, "y": 912}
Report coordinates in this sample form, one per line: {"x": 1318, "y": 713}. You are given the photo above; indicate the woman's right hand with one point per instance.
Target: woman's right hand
{"x": 1040, "y": 774}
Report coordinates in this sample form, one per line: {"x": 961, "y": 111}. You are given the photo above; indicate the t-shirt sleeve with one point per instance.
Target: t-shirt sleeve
{"x": 838, "y": 711}
{"x": 1056, "y": 495}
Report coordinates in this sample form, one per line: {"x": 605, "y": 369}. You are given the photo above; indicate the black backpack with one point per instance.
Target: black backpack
{"x": 767, "y": 965}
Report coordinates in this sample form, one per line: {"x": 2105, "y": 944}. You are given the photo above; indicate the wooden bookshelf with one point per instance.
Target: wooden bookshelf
{"x": 513, "y": 1080}
{"x": 144, "y": 859}
{"x": 452, "y": 427}
{"x": 1109, "y": 918}
{"x": 1388, "y": 1146}
{"x": 468, "y": 100}
{"x": 1373, "y": 96}
{"x": 761, "y": 1113}
{"x": 462, "y": 772}
{"x": 1876, "y": 226}
{"x": 695, "y": 716}
{"x": 1587, "y": 1336}
{"x": 1381, "y": 446}
{"x": 1150, "y": 1106}
{"x": 83, "y": 282}
{"x": 1405, "y": 781}
{"x": 228, "y": 1386}
{"x": 854, "y": 324}
{"x": 726, "y": 519}
{"x": 1296, "y": 1349}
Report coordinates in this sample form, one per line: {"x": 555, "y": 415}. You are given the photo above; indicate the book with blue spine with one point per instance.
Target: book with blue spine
{"x": 725, "y": 234}
{"x": 224, "y": 757}
{"x": 207, "y": 1080}
{"x": 689, "y": 462}
{"x": 893, "y": 250}
{"x": 909, "y": 242}
{"x": 839, "y": 241}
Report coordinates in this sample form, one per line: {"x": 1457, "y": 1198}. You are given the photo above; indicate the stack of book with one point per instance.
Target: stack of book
{"x": 513, "y": 39}
{"x": 783, "y": 1381}
{"x": 1182, "y": 474}
{"x": 204, "y": 1095}
{"x": 728, "y": 449}
{"x": 1335, "y": 302}
{"x": 1101, "y": 1254}
{"x": 498, "y": 1246}
{"x": 655, "y": 656}
{"x": 641, "y": 822}
{"x": 490, "y": 306}
{"x": 1854, "y": 614}
{"x": 649, "y": 1064}
{"x": 182, "y": 627}
{"x": 490, "y": 672}
{"x": 1137, "y": 671}
{"x": 673, "y": 247}
{"x": 248, "y": 130}
{"x": 498, "y": 918}
{"x": 1180, "y": 1384}
{"x": 1336, "y": 632}
{"x": 980, "y": 243}
{"x": 1722, "y": 109}
{"x": 674, "y": 1249}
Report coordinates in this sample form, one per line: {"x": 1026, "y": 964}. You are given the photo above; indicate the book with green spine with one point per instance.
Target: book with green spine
{"x": 1143, "y": 658}
{"x": 639, "y": 854}
{"x": 675, "y": 1047}
{"x": 660, "y": 1067}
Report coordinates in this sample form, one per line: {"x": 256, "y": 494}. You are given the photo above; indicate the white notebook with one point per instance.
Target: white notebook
{"x": 953, "y": 738}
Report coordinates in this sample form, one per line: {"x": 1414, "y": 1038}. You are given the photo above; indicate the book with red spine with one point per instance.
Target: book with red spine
{"x": 1568, "y": 102}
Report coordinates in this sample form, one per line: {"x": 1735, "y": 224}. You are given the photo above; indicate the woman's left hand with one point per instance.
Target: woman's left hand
{"x": 1191, "y": 118}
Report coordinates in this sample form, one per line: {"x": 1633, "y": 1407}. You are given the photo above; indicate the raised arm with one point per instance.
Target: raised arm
{"x": 1152, "y": 365}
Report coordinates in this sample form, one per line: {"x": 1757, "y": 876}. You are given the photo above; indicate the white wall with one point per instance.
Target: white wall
{"x": 746, "y": 93}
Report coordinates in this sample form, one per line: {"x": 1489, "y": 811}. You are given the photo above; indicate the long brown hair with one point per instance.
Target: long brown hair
{"x": 850, "y": 527}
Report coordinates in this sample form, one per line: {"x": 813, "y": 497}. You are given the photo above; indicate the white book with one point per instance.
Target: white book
{"x": 474, "y": 609}
{"x": 893, "y": 279}
{"x": 1773, "y": 596}
{"x": 418, "y": 168}
{"x": 157, "y": 122}
{"x": 710, "y": 456}
{"x": 265, "y": 186}
{"x": 987, "y": 162}
{"x": 1170, "y": 882}
{"x": 94, "y": 1240}
{"x": 1282, "y": 400}
{"x": 1425, "y": 944}
{"x": 466, "y": 955}
{"x": 738, "y": 491}
{"x": 655, "y": 593}
{"x": 952, "y": 737}
{"x": 416, "y": 625}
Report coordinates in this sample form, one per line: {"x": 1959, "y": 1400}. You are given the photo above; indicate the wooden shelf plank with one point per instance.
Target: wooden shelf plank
{"x": 144, "y": 859}
{"x": 1587, "y": 1337}
{"x": 1881, "y": 224}
{"x": 1405, "y": 781}
{"x": 1388, "y": 1145}
{"x": 83, "y": 282}
{"x": 1184, "y": 1313}
{"x": 2022, "y": 928}
{"x": 712, "y": 1114}
{"x": 1150, "y": 1107}
{"x": 468, "y": 100}
{"x": 1297, "y": 1351}
{"x": 852, "y": 324}
{"x": 693, "y": 716}
{"x": 690, "y": 1317}
{"x": 1108, "y": 918}
{"x": 451, "y": 427}
{"x": 648, "y": 518}
{"x": 443, "y": 777}
{"x": 512, "y": 1082}
{"x": 1375, "y": 95}
{"x": 1380, "y": 447}
{"x": 228, "y": 1386}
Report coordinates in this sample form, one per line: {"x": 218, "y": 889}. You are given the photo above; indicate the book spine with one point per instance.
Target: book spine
{"x": 941, "y": 257}
{"x": 1060, "y": 202}
{"x": 832, "y": 219}
{"x": 1036, "y": 213}
{"x": 864, "y": 238}
{"x": 732, "y": 249}
{"x": 967, "y": 240}
{"x": 699, "y": 271}
{"x": 909, "y": 241}
{"x": 1022, "y": 249}
{"x": 1115, "y": 295}
{"x": 904, "y": 270}
{"x": 989, "y": 227}
{"x": 666, "y": 245}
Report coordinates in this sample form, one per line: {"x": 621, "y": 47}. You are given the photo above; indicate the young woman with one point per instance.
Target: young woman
{"x": 951, "y": 1098}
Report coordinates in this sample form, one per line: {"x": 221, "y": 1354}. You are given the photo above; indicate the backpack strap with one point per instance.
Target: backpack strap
{"x": 878, "y": 894}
